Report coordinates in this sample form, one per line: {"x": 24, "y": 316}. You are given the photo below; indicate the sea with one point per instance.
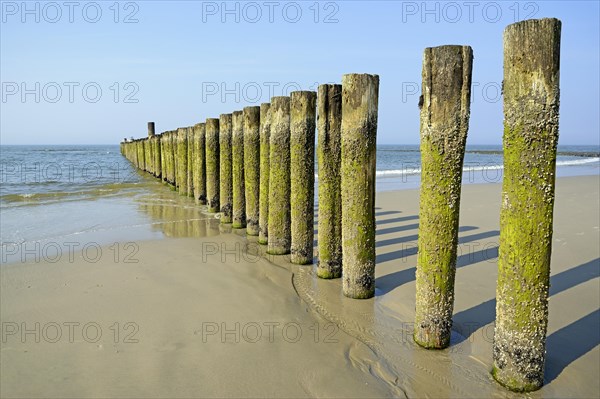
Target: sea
{"x": 60, "y": 198}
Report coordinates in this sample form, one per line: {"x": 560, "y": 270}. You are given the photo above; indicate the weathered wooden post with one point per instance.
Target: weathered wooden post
{"x": 360, "y": 94}
{"x": 279, "y": 177}
{"x": 226, "y": 181}
{"x": 157, "y": 157}
{"x": 167, "y": 154}
{"x": 190, "y": 161}
{"x": 252, "y": 167}
{"x": 303, "y": 108}
{"x": 237, "y": 155}
{"x": 141, "y": 154}
{"x": 199, "y": 163}
{"x": 182, "y": 160}
{"x": 151, "y": 131}
{"x": 163, "y": 155}
{"x": 172, "y": 157}
{"x": 531, "y": 102}
{"x": 265, "y": 134}
{"x": 329, "y": 152}
{"x": 445, "y": 107}
{"x": 212, "y": 164}
{"x": 150, "y": 149}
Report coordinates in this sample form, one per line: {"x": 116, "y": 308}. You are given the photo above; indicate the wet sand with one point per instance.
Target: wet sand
{"x": 204, "y": 313}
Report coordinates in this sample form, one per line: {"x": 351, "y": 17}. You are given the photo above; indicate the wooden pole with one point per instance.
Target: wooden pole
{"x": 212, "y": 164}
{"x": 531, "y": 102}
{"x": 265, "y": 134}
{"x": 182, "y": 160}
{"x": 199, "y": 163}
{"x": 226, "y": 189}
{"x": 252, "y": 167}
{"x": 237, "y": 155}
{"x": 302, "y": 174}
{"x": 329, "y": 152}
{"x": 279, "y": 177}
{"x": 444, "y": 124}
{"x": 360, "y": 94}
{"x": 151, "y": 129}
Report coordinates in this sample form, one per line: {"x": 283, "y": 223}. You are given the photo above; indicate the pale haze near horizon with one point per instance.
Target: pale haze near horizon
{"x": 178, "y": 63}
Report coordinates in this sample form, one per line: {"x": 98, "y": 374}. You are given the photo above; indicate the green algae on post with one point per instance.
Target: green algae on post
{"x": 531, "y": 103}
{"x": 252, "y": 167}
{"x": 182, "y": 160}
{"x": 212, "y": 164}
{"x": 360, "y": 94}
{"x": 265, "y": 133}
{"x": 190, "y": 161}
{"x": 329, "y": 152}
{"x": 199, "y": 163}
{"x": 173, "y": 157}
{"x": 226, "y": 189}
{"x": 303, "y": 106}
{"x": 279, "y": 177}
{"x": 445, "y": 106}
{"x": 237, "y": 157}
{"x": 163, "y": 161}
{"x": 157, "y": 156}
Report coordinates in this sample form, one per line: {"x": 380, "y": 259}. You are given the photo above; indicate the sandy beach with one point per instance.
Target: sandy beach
{"x": 205, "y": 313}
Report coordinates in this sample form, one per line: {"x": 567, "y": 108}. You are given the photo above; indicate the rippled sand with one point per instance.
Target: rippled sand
{"x": 205, "y": 313}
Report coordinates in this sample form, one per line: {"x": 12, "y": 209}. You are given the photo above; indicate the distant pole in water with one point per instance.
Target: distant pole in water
{"x": 531, "y": 102}
{"x": 237, "y": 155}
{"x": 329, "y": 152}
{"x": 212, "y": 164}
{"x": 303, "y": 109}
{"x": 252, "y": 167}
{"x": 445, "y": 107}
{"x": 279, "y": 177}
{"x": 182, "y": 160}
{"x": 150, "y": 129}
{"x": 265, "y": 133}
{"x": 199, "y": 163}
{"x": 360, "y": 97}
{"x": 226, "y": 179}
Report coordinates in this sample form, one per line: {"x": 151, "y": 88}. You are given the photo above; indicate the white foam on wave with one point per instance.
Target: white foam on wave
{"x": 409, "y": 171}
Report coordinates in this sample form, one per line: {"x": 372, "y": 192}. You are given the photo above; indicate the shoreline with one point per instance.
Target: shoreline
{"x": 377, "y": 347}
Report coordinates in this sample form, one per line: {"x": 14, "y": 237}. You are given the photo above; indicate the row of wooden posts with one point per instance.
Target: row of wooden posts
{"x": 256, "y": 167}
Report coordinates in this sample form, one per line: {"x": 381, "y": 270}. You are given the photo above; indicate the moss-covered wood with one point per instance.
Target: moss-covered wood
{"x": 182, "y": 161}
{"x": 445, "y": 107}
{"x": 329, "y": 152}
{"x": 238, "y": 184}
{"x": 163, "y": 160}
{"x": 172, "y": 157}
{"x": 212, "y": 164}
{"x": 303, "y": 108}
{"x": 279, "y": 177}
{"x": 265, "y": 134}
{"x": 190, "y": 161}
{"x": 199, "y": 163}
{"x": 141, "y": 155}
{"x": 157, "y": 157}
{"x": 531, "y": 104}
{"x": 252, "y": 167}
{"x": 226, "y": 182}
{"x": 360, "y": 94}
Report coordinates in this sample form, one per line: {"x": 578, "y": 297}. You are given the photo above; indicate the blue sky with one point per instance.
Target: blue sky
{"x": 95, "y": 72}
